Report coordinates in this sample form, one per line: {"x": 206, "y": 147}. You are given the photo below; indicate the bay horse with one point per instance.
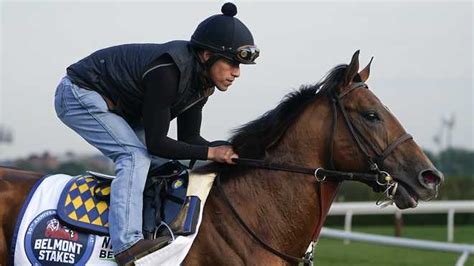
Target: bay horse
{"x": 268, "y": 210}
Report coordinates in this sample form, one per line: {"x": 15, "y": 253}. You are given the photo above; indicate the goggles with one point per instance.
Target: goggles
{"x": 247, "y": 54}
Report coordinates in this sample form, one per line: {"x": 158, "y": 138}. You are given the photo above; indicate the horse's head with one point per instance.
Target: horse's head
{"x": 372, "y": 134}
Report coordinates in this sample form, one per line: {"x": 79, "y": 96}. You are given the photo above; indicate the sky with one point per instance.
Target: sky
{"x": 422, "y": 67}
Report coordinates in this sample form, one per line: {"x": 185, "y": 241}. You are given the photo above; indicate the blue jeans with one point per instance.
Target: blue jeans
{"x": 86, "y": 112}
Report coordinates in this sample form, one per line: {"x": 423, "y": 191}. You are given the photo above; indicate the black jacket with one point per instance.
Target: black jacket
{"x": 117, "y": 72}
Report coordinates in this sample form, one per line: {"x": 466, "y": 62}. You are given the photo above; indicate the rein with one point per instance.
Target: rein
{"x": 378, "y": 177}
{"x": 320, "y": 174}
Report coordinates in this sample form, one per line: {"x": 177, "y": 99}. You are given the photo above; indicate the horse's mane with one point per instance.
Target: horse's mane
{"x": 252, "y": 139}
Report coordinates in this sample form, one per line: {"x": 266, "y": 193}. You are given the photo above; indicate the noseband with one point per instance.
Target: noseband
{"x": 379, "y": 178}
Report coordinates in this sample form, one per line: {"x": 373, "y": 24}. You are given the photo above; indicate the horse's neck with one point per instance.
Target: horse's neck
{"x": 294, "y": 206}
{"x": 283, "y": 207}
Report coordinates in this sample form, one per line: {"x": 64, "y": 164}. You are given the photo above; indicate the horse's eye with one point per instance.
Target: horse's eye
{"x": 371, "y": 116}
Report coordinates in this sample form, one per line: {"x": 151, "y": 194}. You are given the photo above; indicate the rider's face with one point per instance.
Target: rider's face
{"x": 223, "y": 73}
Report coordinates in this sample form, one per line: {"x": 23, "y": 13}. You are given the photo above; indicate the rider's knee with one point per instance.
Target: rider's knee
{"x": 136, "y": 158}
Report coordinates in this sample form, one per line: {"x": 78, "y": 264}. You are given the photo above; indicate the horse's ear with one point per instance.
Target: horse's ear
{"x": 351, "y": 71}
{"x": 364, "y": 74}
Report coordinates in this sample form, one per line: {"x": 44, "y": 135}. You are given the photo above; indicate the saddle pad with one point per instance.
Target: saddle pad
{"x": 41, "y": 238}
{"x": 83, "y": 204}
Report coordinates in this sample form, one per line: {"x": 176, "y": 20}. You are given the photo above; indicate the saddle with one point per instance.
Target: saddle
{"x": 84, "y": 202}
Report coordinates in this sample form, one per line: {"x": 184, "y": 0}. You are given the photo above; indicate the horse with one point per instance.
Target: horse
{"x": 271, "y": 205}
{"x": 15, "y": 185}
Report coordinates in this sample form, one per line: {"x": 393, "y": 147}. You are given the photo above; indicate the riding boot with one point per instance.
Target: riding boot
{"x": 140, "y": 250}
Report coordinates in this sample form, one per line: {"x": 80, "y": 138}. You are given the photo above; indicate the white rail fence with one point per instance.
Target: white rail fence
{"x": 369, "y": 208}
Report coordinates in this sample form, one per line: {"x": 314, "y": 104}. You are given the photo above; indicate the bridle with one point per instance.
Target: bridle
{"x": 380, "y": 157}
{"x": 378, "y": 177}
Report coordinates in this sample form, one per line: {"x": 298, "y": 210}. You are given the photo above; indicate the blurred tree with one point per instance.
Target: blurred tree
{"x": 456, "y": 162}
{"x": 71, "y": 168}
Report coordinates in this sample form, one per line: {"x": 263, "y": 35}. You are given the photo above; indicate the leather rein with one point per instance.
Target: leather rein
{"x": 379, "y": 178}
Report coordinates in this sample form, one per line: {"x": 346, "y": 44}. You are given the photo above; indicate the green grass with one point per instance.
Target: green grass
{"x": 331, "y": 252}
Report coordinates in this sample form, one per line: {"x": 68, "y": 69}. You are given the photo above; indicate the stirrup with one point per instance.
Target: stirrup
{"x": 157, "y": 230}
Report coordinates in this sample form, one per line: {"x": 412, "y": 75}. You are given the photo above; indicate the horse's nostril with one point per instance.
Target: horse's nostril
{"x": 431, "y": 177}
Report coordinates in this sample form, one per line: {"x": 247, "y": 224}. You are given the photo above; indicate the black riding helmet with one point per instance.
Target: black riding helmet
{"x": 226, "y": 36}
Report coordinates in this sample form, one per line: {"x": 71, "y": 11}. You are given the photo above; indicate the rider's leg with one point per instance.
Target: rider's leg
{"x": 86, "y": 113}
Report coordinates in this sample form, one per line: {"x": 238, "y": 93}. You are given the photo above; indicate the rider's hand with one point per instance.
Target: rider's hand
{"x": 222, "y": 154}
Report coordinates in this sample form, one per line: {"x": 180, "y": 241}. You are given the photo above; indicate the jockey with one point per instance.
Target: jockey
{"x": 118, "y": 97}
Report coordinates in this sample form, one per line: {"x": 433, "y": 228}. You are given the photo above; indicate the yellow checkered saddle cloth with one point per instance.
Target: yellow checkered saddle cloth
{"x": 84, "y": 204}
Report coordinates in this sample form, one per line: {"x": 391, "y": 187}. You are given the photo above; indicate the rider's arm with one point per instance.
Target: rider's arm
{"x": 189, "y": 128}
{"x": 160, "y": 89}
{"x": 189, "y": 125}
